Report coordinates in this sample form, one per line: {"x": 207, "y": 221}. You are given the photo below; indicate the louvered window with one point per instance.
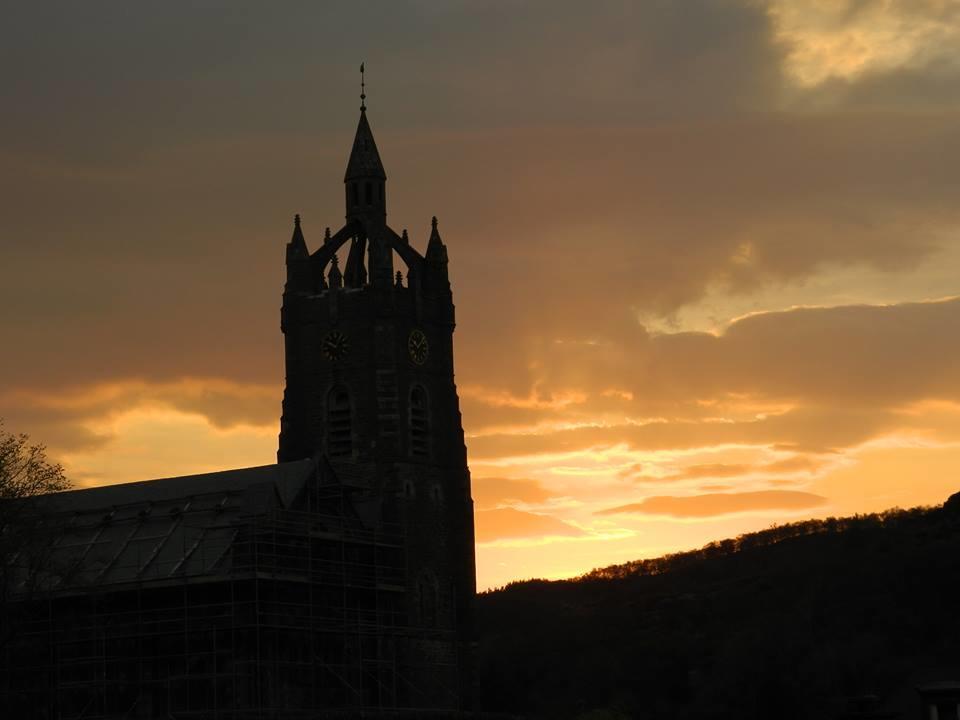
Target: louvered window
{"x": 427, "y": 592}
{"x": 339, "y": 423}
{"x": 419, "y": 423}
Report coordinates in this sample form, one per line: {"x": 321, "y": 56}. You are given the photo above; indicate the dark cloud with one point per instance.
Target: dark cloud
{"x": 55, "y": 432}
{"x": 931, "y": 88}
{"x": 712, "y": 504}
{"x": 175, "y": 257}
{"x": 853, "y": 357}
{"x": 148, "y": 76}
{"x": 61, "y": 416}
{"x": 588, "y": 165}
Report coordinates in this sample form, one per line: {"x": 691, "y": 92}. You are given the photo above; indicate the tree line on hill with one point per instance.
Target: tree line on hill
{"x": 789, "y": 622}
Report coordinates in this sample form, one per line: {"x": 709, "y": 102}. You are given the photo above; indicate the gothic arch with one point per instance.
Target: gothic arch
{"x": 356, "y": 232}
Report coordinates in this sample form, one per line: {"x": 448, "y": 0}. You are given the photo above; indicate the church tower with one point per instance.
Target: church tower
{"x": 370, "y": 393}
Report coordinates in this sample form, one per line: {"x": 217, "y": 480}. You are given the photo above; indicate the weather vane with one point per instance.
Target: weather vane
{"x": 363, "y": 95}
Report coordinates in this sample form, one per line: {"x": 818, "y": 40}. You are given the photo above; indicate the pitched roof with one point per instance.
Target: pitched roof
{"x": 163, "y": 529}
{"x": 286, "y": 477}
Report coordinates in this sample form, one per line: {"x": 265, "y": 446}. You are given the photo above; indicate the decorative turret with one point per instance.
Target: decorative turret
{"x": 436, "y": 260}
{"x": 298, "y": 260}
{"x": 436, "y": 250}
{"x": 298, "y": 245}
{"x": 335, "y": 278}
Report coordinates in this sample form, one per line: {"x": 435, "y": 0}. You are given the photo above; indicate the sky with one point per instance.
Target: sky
{"x": 705, "y": 254}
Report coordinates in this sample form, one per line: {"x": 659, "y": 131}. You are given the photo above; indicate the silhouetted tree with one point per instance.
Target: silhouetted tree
{"x": 25, "y": 471}
{"x": 26, "y": 474}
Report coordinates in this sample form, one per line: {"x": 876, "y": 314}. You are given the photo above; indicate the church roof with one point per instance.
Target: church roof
{"x": 163, "y": 529}
{"x": 364, "y": 160}
{"x": 286, "y": 478}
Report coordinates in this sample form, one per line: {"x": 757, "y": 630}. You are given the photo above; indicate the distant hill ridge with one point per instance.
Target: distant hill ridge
{"x": 786, "y": 622}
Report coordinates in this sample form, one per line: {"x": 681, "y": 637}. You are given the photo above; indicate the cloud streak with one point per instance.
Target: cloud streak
{"x": 510, "y": 523}
{"x": 713, "y": 504}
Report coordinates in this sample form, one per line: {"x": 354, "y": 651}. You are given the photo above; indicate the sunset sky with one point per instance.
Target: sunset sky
{"x": 705, "y": 253}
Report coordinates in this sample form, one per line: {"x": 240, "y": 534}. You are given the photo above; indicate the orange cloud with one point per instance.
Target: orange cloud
{"x": 845, "y": 41}
{"x": 811, "y": 430}
{"x": 64, "y": 417}
{"x": 787, "y": 466}
{"x": 490, "y": 492}
{"x": 510, "y": 523}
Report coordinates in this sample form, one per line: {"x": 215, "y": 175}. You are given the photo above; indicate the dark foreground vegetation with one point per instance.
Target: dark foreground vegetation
{"x": 786, "y": 623}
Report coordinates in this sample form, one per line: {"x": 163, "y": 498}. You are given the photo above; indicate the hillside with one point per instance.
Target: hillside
{"x": 783, "y": 623}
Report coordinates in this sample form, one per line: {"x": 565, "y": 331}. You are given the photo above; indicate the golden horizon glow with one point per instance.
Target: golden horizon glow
{"x": 705, "y": 256}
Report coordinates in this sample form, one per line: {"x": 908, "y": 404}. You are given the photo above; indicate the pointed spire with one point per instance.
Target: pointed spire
{"x": 364, "y": 163}
{"x": 299, "y": 277}
{"x": 434, "y": 234}
{"x": 436, "y": 251}
{"x": 297, "y": 243}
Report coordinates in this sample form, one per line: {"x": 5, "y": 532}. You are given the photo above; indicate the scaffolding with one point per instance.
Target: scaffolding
{"x": 193, "y": 609}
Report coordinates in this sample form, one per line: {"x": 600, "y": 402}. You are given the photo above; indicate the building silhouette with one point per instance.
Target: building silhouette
{"x": 338, "y": 582}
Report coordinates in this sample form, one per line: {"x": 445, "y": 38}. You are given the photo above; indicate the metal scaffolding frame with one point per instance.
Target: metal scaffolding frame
{"x": 288, "y": 614}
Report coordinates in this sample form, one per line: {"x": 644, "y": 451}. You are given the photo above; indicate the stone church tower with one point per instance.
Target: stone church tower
{"x": 370, "y": 392}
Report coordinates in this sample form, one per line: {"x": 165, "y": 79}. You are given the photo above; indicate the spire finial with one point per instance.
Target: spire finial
{"x": 296, "y": 220}
{"x": 433, "y": 222}
{"x": 363, "y": 94}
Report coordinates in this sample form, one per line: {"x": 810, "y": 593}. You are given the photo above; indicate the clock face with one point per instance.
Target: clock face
{"x": 334, "y": 345}
{"x": 418, "y": 347}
